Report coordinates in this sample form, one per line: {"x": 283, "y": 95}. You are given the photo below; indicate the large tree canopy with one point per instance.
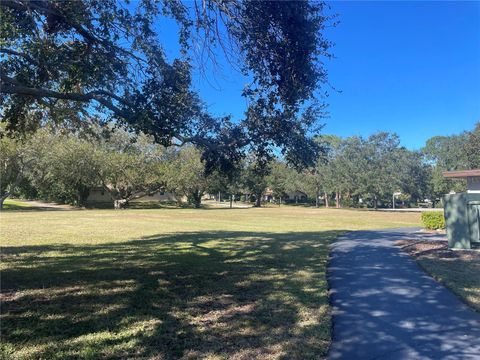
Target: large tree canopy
{"x": 74, "y": 61}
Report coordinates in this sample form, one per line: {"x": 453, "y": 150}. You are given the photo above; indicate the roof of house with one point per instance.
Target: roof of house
{"x": 462, "y": 173}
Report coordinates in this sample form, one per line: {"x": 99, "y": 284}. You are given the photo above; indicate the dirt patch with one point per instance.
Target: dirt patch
{"x": 436, "y": 249}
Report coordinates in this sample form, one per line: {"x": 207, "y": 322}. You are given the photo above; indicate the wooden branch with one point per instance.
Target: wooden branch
{"x": 10, "y": 85}
{"x": 24, "y": 5}
{"x": 16, "y": 53}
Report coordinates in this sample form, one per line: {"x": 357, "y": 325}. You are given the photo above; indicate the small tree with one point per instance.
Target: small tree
{"x": 375, "y": 163}
{"x": 255, "y": 178}
{"x": 63, "y": 167}
{"x": 472, "y": 148}
{"x": 12, "y": 164}
{"x": 130, "y": 166}
{"x": 445, "y": 153}
{"x": 129, "y": 176}
{"x": 279, "y": 180}
{"x": 185, "y": 175}
{"x": 75, "y": 166}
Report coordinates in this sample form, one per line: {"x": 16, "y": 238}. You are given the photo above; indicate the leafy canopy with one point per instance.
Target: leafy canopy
{"x": 76, "y": 62}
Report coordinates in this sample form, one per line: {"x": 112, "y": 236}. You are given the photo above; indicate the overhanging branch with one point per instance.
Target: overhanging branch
{"x": 10, "y": 85}
{"x": 16, "y": 53}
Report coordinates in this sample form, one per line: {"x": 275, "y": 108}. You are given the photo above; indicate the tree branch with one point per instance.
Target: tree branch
{"x": 16, "y": 53}
{"x": 10, "y": 85}
{"x": 88, "y": 36}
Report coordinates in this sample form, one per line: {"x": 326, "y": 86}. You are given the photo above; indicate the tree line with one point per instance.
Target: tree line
{"x": 356, "y": 171}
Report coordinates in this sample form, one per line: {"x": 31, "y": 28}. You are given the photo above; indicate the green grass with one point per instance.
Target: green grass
{"x": 169, "y": 284}
{"x": 13, "y": 204}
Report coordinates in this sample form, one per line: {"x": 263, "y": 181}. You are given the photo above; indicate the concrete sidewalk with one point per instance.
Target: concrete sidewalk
{"x": 386, "y": 307}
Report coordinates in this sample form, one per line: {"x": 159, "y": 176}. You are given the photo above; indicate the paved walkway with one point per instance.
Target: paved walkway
{"x": 386, "y": 307}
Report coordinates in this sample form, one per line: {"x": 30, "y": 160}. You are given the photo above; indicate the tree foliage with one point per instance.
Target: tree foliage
{"x": 73, "y": 61}
{"x": 185, "y": 175}
{"x": 446, "y": 153}
{"x": 12, "y": 162}
{"x": 472, "y": 148}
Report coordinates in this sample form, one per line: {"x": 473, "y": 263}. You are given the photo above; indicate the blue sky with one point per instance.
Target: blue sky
{"x": 408, "y": 67}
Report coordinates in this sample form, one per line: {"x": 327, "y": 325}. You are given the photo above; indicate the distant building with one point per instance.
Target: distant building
{"x": 98, "y": 196}
{"x": 293, "y": 196}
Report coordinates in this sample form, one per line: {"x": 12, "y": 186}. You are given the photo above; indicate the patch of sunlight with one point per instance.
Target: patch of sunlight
{"x": 303, "y": 274}
{"x": 214, "y": 244}
{"x": 192, "y": 354}
{"x": 267, "y": 277}
{"x": 53, "y": 317}
{"x": 106, "y": 309}
{"x": 99, "y": 288}
{"x": 243, "y": 259}
{"x": 284, "y": 297}
{"x": 143, "y": 328}
{"x": 33, "y": 351}
{"x": 22, "y": 332}
{"x": 163, "y": 282}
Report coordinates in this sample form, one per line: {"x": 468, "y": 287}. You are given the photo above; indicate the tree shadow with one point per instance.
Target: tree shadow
{"x": 187, "y": 295}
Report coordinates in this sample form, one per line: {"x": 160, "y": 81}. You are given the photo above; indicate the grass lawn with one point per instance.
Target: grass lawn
{"x": 171, "y": 283}
{"x": 13, "y": 204}
{"x": 457, "y": 270}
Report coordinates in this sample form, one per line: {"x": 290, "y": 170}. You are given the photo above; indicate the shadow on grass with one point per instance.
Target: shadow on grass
{"x": 189, "y": 295}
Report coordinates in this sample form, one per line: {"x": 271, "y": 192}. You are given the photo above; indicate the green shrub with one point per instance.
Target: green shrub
{"x": 433, "y": 220}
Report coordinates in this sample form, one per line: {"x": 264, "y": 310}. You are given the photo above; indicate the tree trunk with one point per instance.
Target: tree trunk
{"x": 337, "y": 199}
{"x": 197, "y": 200}
{"x": 178, "y": 199}
{"x": 258, "y": 200}
{"x": 326, "y": 200}
{"x": 375, "y": 202}
{"x": 231, "y": 201}
{"x": 82, "y": 195}
{"x": 3, "y": 198}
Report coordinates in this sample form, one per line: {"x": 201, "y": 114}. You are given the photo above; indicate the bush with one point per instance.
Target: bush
{"x": 433, "y": 220}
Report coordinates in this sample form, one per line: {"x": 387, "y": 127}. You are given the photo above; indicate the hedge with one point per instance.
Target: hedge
{"x": 433, "y": 220}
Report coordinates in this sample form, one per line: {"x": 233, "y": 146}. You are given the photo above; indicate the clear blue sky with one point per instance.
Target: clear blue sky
{"x": 408, "y": 67}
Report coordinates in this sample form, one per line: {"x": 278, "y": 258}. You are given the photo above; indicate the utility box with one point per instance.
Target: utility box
{"x": 462, "y": 219}
{"x": 462, "y": 212}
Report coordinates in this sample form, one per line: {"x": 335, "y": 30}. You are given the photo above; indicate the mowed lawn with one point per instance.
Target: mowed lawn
{"x": 171, "y": 284}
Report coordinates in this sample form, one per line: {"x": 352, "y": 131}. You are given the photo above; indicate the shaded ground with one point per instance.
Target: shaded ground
{"x": 170, "y": 284}
{"x": 223, "y": 295}
{"x": 386, "y": 307}
{"x": 459, "y": 270}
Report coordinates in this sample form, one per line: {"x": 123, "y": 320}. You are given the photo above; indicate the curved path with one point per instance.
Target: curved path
{"x": 386, "y": 307}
